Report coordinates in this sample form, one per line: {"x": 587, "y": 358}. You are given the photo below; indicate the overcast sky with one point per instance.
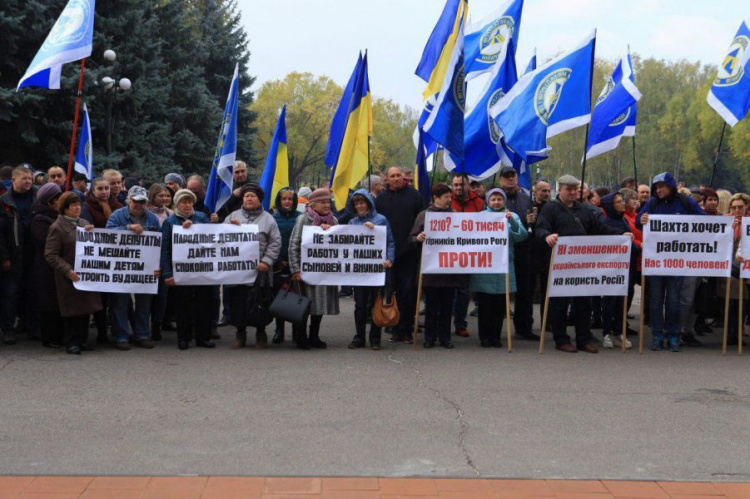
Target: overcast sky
{"x": 324, "y": 36}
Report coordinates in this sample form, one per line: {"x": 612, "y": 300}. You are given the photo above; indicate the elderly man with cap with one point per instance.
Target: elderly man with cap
{"x": 566, "y": 216}
{"x": 194, "y": 302}
{"x": 522, "y": 205}
{"x": 269, "y": 239}
{"x": 134, "y": 217}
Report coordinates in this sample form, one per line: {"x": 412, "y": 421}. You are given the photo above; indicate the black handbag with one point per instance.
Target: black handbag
{"x": 258, "y": 302}
{"x": 290, "y": 306}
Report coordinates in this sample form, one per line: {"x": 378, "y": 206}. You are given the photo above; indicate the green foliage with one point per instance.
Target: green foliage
{"x": 311, "y": 102}
{"x": 180, "y": 56}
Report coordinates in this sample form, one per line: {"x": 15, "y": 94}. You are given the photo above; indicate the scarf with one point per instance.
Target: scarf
{"x": 72, "y": 220}
{"x": 106, "y": 209}
{"x": 250, "y": 215}
{"x": 182, "y": 215}
{"x": 319, "y": 219}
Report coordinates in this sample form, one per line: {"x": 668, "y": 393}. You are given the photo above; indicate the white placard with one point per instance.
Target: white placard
{"x": 590, "y": 266}
{"x": 688, "y": 245}
{"x": 344, "y": 255}
{"x": 465, "y": 243}
{"x": 117, "y": 261}
{"x": 745, "y": 249}
{"x": 214, "y": 254}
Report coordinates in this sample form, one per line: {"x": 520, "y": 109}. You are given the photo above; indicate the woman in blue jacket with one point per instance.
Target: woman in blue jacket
{"x": 195, "y": 302}
{"x": 490, "y": 288}
{"x": 285, "y": 213}
{"x": 364, "y": 296}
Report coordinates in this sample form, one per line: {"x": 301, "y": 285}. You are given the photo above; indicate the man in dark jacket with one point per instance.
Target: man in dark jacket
{"x": 239, "y": 179}
{"x": 566, "y": 216}
{"x": 521, "y": 204}
{"x": 665, "y": 292}
{"x": 401, "y": 205}
{"x": 17, "y": 256}
{"x": 540, "y": 251}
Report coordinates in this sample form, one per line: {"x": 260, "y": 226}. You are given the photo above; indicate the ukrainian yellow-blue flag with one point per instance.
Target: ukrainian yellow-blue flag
{"x": 352, "y": 163}
{"x": 276, "y": 172}
{"x": 436, "y": 56}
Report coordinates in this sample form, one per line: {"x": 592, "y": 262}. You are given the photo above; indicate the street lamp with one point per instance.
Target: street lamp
{"x": 111, "y": 86}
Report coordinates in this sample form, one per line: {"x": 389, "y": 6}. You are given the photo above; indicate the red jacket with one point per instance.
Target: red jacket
{"x": 472, "y": 204}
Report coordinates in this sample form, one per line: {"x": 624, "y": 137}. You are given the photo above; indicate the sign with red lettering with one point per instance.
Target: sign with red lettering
{"x": 688, "y": 245}
{"x": 465, "y": 243}
{"x": 590, "y": 266}
{"x": 745, "y": 249}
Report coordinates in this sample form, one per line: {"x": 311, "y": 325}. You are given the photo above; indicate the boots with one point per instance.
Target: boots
{"x": 261, "y": 340}
{"x": 278, "y": 336}
{"x": 156, "y": 331}
{"x": 302, "y": 341}
{"x": 315, "y": 341}
{"x": 240, "y": 340}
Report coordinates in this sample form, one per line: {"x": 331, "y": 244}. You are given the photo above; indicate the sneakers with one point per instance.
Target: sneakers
{"x": 462, "y": 332}
{"x": 607, "y": 342}
{"x": 356, "y": 343}
{"x": 618, "y": 342}
{"x": 690, "y": 340}
{"x": 122, "y": 345}
{"x": 656, "y": 343}
{"x": 674, "y": 343}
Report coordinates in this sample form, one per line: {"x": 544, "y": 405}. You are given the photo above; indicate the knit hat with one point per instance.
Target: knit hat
{"x": 319, "y": 195}
{"x": 176, "y": 178}
{"x": 183, "y": 193}
{"x": 496, "y": 190}
{"x": 568, "y": 180}
{"x": 47, "y": 193}
{"x": 252, "y": 187}
{"x": 304, "y": 192}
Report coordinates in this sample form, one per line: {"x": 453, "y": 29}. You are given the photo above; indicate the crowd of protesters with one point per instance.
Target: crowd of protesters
{"x": 39, "y": 217}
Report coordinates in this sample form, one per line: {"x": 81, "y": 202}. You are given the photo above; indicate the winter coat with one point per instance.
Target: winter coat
{"x": 472, "y": 204}
{"x": 324, "y": 300}
{"x": 13, "y": 234}
{"x": 121, "y": 218}
{"x": 618, "y": 221}
{"x": 269, "y": 236}
{"x": 674, "y": 204}
{"x": 44, "y": 276}
{"x": 285, "y": 221}
{"x": 401, "y": 208}
{"x": 578, "y": 220}
{"x": 166, "y": 239}
{"x": 376, "y": 219}
{"x": 436, "y": 280}
{"x": 494, "y": 284}
{"x": 93, "y": 213}
{"x": 60, "y": 253}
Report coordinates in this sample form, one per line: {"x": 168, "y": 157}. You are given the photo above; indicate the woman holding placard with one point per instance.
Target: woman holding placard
{"x": 737, "y": 208}
{"x": 364, "y": 296}
{"x": 439, "y": 289}
{"x": 269, "y": 239}
{"x": 324, "y": 300}
{"x": 490, "y": 288}
{"x": 60, "y": 253}
{"x": 194, "y": 302}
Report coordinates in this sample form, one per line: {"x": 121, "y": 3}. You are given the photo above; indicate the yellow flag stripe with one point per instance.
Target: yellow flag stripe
{"x": 281, "y": 175}
{"x": 441, "y": 67}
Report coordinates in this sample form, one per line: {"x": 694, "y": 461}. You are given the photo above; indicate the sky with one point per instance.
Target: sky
{"x": 324, "y": 37}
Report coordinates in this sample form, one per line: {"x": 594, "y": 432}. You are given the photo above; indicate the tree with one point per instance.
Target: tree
{"x": 311, "y": 102}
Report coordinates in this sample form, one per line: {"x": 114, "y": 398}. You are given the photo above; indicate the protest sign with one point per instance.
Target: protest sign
{"x": 117, "y": 261}
{"x": 590, "y": 266}
{"x": 344, "y": 255}
{"x": 745, "y": 249}
{"x": 210, "y": 255}
{"x": 465, "y": 243}
{"x": 687, "y": 245}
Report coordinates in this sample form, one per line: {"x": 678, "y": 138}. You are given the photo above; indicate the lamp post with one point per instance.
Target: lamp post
{"x": 110, "y": 86}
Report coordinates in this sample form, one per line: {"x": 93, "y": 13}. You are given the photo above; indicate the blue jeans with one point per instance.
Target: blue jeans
{"x": 664, "y": 304}
{"x": 119, "y": 309}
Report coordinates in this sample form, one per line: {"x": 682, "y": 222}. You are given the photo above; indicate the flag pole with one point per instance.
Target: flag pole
{"x": 75, "y": 124}
{"x": 369, "y": 166}
{"x": 718, "y": 154}
{"x": 434, "y": 165}
{"x": 586, "y": 136}
{"x": 635, "y": 165}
